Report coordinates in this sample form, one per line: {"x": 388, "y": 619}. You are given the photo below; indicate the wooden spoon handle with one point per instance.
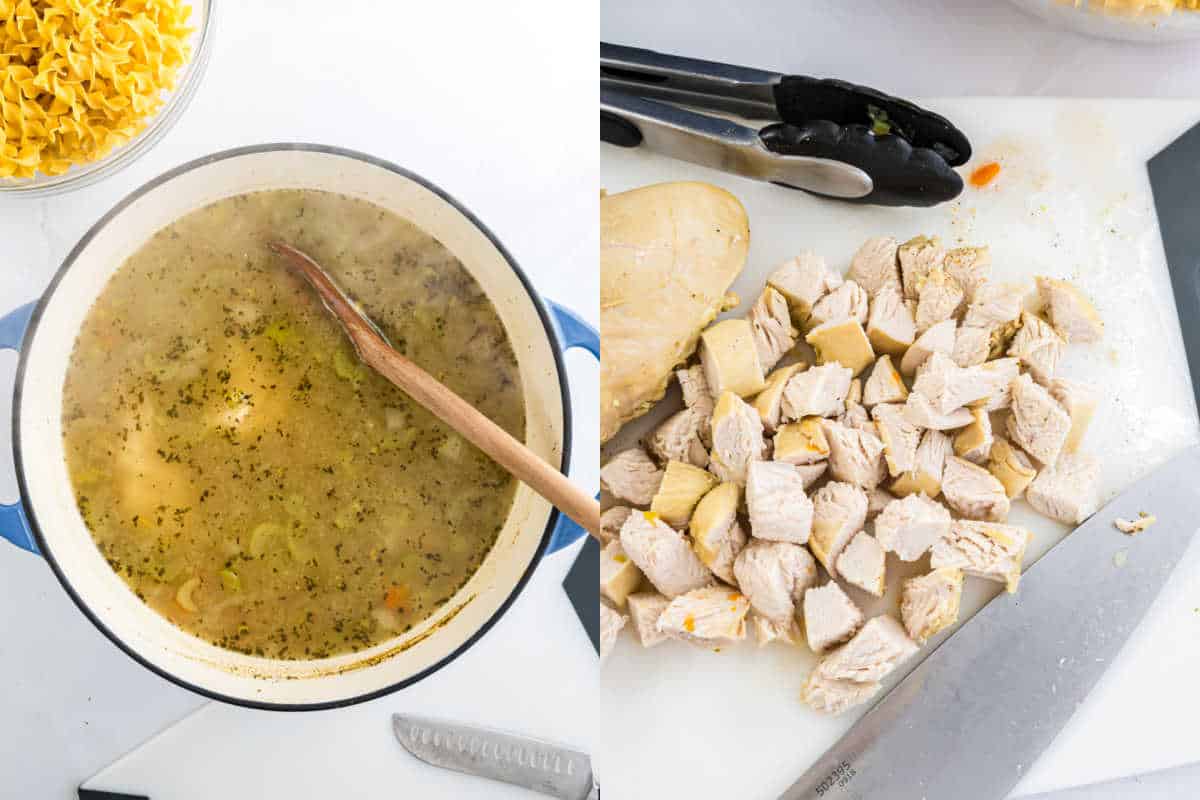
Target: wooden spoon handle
{"x": 460, "y": 415}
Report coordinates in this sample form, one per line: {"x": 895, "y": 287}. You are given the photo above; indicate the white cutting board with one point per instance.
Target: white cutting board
{"x": 1072, "y": 200}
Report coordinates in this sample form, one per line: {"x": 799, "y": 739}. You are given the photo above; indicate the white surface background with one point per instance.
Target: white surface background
{"x": 461, "y": 94}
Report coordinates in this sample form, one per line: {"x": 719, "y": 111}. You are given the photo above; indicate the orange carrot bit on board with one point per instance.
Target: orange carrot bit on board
{"x": 396, "y": 596}
{"x": 985, "y": 174}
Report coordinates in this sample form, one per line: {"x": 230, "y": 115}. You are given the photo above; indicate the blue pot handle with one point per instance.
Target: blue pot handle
{"x": 14, "y": 526}
{"x": 572, "y": 332}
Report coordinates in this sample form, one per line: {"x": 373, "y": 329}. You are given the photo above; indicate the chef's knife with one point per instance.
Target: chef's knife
{"x": 540, "y": 766}
{"x": 972, "y": 718}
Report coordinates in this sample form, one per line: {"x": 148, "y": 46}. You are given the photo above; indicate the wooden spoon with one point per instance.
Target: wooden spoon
{"x": 460, "y": 415}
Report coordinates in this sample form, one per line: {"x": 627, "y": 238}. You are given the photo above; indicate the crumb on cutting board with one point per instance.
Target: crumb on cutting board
{"x": 1134, "y": 527}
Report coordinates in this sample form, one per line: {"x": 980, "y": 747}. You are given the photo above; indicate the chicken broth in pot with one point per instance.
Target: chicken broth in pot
{"x": 243, "y": 472}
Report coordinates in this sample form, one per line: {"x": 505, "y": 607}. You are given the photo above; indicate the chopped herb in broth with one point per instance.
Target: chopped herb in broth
{"x": 237, "y": 465}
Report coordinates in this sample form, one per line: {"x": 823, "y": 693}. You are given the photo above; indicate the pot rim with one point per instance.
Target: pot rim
{"x": 48, "y": 294}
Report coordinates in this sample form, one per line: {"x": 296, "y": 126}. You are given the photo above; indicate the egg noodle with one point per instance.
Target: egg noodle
{"x": 81, "y": 77}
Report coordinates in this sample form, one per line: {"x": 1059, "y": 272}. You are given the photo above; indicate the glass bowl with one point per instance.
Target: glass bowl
{"x": 187, "y": 82}
{"x": 1150, "y": 27}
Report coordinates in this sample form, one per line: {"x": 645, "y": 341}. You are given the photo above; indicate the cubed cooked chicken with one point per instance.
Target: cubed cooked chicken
{"x": 929, "y": 603}
{"x": 1038, "y": 347}
{"x": 877, "y": 501}
{"x": 1066, "y": 491}
{"x": 857, "y": 418}
{"x": 843, "y": 342}
{"x": 767, "y": 631}
{"x": 918, "y": 257}
{"x": 854, "y": 396}
{"x": 874, "y": 265}
{"x": 706, "y": 616}
{"x": 971, "y": 267}
{"x": 948, "y": 386}
{"x": 1073, "y": 315}
{"x": 834, "y": 697}
{"x": 737, "y": 434}
{"x": 1011, "y": 467}
{"x": 863, "y": 564}
{"x": 818, "y": 391}
{"x": 884, "y": 384}
{"x": 644, "y": 610}
{"x": 939, "y": 299}
{"x": 769, "y": 402}
{"x": 775, "y": 575}
{"x": 1037, "y": 423}
{"x": 679, "y": 438}
{"x": 899, "y": 436}
{"x": 920, "y": 411}
{"x": 974, "y": 442}
{"x": 693, "y": 385}
{"x": 931, "y": 460}
{"x": 973, "y": 492}
{"x": 771, "y": 324}
{"x": 779, "y": 509}
{"x": 855, "y": 454}
{"x": 1000, "y": 373}
{"x": 879, "y": 647}
{"x": 632, "y": 476}
{"x": 839, "y": 512}
{"x": 910, "y": 526}
{"x": 811, "y": 473}
{"x": 940, "y": 338}
{"x": 994, "y": 305}
{"x": 681, "y": 489}
{"x": 890, "y": 324}
{"x": 730, "y": 358}
{"x": 983, "y": 549}
{"x": 1079, "y": 401}
{"x": 663, "y": 554}
{"x": 618, "y": 574}
{"x": 611, "y": 623}
{"x": 611, "y": 521}
{"x": 717, "y": 537}
{"x": 801, "y": 442}
{"x": 830, "y": 617}
{"x": 972, "y": 346}
{"x": 847, "y": 301}
{"x": 803, "y": 281}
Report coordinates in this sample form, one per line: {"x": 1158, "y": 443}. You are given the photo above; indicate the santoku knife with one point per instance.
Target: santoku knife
{"x": 971, "y": 719}
{"x": 540, "y": 766}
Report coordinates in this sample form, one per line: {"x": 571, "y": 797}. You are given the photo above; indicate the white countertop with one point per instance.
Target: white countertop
{"x": 461, "y": 96}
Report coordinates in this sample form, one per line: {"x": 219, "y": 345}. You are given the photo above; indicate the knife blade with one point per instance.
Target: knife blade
{"x": 531, "y": 763}
{"x": 972, "y": 718}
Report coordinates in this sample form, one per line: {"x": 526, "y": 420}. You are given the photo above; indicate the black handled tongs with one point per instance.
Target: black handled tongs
{"x": 824, "y": 136}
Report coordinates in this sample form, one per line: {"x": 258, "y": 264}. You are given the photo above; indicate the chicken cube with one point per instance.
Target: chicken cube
{"x": 931, "y": 460}
{"x": 854, "y": 396}
{"x": 949, "y": 386}
{"x": 939, "y": 338}
{"x": 855, "y": 454}
{"x": 730, "y": 358}
{"x": 709, "y": 615}
{"x": 877, "y": 501}
{"x": 974, "y": 442}
{"x": 880, "y": 646}
{"x": 830, "y": 617}
{"x": 929, "y": 603}
{"x": 618, "y": 575}
{"x": 972, "y": 346}
{"x": 1079, "y": 401}
{"x": 801, "y": 442}
{"x": 767, "y": 630}
{"x": 1066, "y": 491}
{"x": 771, "y": 325}
{"x": 999, "y": 373}
{"x": 1073, "y": 315}
{"x": 891, "y": 327}
{"x": 811, "y": 473}
{"x": 1038, "y": 347}
{"x": 679, "y": 438}
{"x": 983, "y": 549}
{"x": 910, "y": 526}
{"x": 769, "y": 402}
{"x": 693, "y": 385}
{"x": 857, "y": 418}
{"x": 611, "y": 623}
{"x": 971, "y": 267}
{"x": 839, "y": 512}
{"x": 973, "y": 492}
{"x": 1011, "y": 467}
{"x": 663, "y": 554}
{"x": 779, "y": 509}
{"x": 899, "y": 436}
{"x": 775, "y": 576}
{"x": 631, "y": 476}
{"x": 681, "y": 489}
{"x": 874, "y": 265}
{"x": 938, "y": 301}
{"x": 847, "y": 301}
{"x": 644, "y": 610}
{"x": 819, "y": 391}
{"x": 611, "y": 521}
{"x": 918, "y": 257}
{"x": 994, "y": 305}
{"x": 834, "y": 697}
{"x": 803, "y": 281}
{"x": 863, "y": 564}
{"x": 717, "y": 537}
{"x": 843, "y": 342}
{"x": 884, "y": 385}
{"x": 919, "y": 410}
{"x": 737, "y": 433}
{"x": 1037, "y": 423}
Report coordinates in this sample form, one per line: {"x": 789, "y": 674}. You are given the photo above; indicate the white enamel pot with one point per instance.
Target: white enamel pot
{"x": 46, "y": 520}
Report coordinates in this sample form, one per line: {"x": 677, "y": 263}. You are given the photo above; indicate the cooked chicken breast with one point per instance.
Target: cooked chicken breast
{"x": 618, "y": 575}
{"x": 1038, "y": 347}
{"x": 919, "y": 410}
{"x": 1073, "y": 315}
{"x": 1000, "y": 373}
{"x": 972, "y": 346}
{"x": 973, "y": 492}
{"x": 939, "y": 299}
{"x": 879, "y": 647}
{"x": 949, "y": 387}
{"x": 663, "y": 555}
{"x": 830, "y": 617}
{"x": 940, "y": 338}
{"x": 839, "y": 512}
{"x": 737, "y": 433}
{"x": 974, "y": 442}
{"x": 854, "y": 396}
{"x": 1011, "y": 467}
{"x": 711, "y": 615}
{"x": 863, "y": 564}
{"x": 834, "y": 697}
{"x": 891, "y": 326}
{"x": 681, "y": 489}
{"x": 644, "y": 610}
{"x": 803, "y": 281}
{"x": 899, "y": 436}
{"x": 971, "y": 267}
{"x": 910, "y": 526}
{"x": 730, "y": 359}
{"x": 772, "y": 327}
{"x": 679, "y": 438}
{"x": 877, "y": 501}
{"x": 693, "y": 385}
{"x": 779, "y": 510}
{"x": 855, "y": 454}
{"x": 929, "y": 603}
{"x": 1067, "y": 491}
{"x": 611, "y": 624}
{"x": 769, "y": 402}
{"x": 717, "y": 537}
{"x": 857, "y": 418}
{"x": 994, "y": 305}
{"x": 818, "y": 391}
{"x": 847, "y": 301}
{"x": 775, "y": 576}
{"x": 767, "y": 631}
{"x": 918, "y": 257}
{"x": 843, "y": 342}
{"x": 874, "y": 265}
{"x": 611, "y": 521}
{"x": 1079, "y": 401}
{"x": 801, "y": 442}
{"x": 1037, "y": 424}
{"x": 631, "y": 476}
{"x": 884, "y": 384}
{"x": 931, "y": 459}
{"x": 811, "y": 473}
{"x": 983, "y": 549}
